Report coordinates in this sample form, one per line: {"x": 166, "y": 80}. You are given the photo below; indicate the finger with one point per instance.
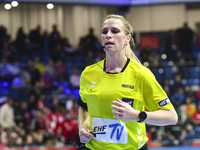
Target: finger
{"x": 119, "y": 100}
{"x": 117, "y": 103}
{"x": 117, "y": 117}
{"x": 115, "y": 107}
{"x": 87, "y": 135}
{"x": 117, "y": 113}
{"x": 120, "y": 109}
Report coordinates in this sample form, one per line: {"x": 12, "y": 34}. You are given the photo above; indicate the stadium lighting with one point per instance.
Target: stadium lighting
{"x": 50, "y": 6}
{"x": 146, "y": 64}
{"x": 7, "y": 6}
{"x": 14, "y": 3}
{"x": 164, "y": 56}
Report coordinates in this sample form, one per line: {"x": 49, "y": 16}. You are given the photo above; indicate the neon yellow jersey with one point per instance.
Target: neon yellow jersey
{"x": 137, "y": 86}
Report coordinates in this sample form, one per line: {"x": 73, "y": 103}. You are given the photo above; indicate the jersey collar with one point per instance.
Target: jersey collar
{"x": 127, "y": 62}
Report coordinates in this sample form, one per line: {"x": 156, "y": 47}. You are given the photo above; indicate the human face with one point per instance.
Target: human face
{"x": 113, "y": 36}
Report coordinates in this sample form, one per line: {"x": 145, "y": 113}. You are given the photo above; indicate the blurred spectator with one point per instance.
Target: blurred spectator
{"x": 69, "y": 103}
{"x": 70, "y": 126}
{"x": 74, "y": 79}
{"x": 68, "y": 49}
{"x": 29, "y": 140}
{"x": 46, "y": 81}
{"x": 175, "y": 135}
{"x": 59, "y": 99}
{"x": 186, "y": 38}
{"x": 34, "y": 72}
{"x": 20, "y": 42}
{"x": 7, "y": 115}
{"x": 89, "y": 59}
{"x": 54, "y": 37}
{"x": 55, "y": 121}
{"x": 182, "y": 68}
{"x": 190, "y": 59}
{"x": 57, "y": 53}
{"x": 40, "y": 103}
{"x": 45, "y": 41}
{"x": 54, "y": 103}
{"x": 168, "y": 45}
{"x": 32, "y": 104}
{"x": 39, "y": 65}
{"x": 26, "y": 116}
{"x": 35, "y": 39}
{"x": 60, "y": 94}
{"x": 17, "y": 88}
{"x": 166, "y": 87}
{"x": 190, "y": 106}
{"x": 19, "y": 114}
{"x": 50, "y": 69}
{"x": 178, "y": 56}
{"x": 153, "y": 59}
{"x": 89, "y": 42}
{"x": 177, "y": 83}
{"x": 190, "y": 92}
{"x": 145, "y": 53}
{"x": 3, "y": 139}
{"x": 61, "y": 70}
{"x": 26, "y": 79}
{"x": 196, "y": 120}
{"x": 178, "y": 95}
{"x": 38, "y": 123}
{"x": 4, "y": 37}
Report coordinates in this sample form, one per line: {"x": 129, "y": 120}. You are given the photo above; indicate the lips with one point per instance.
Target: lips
{"x": 109, "y": 43}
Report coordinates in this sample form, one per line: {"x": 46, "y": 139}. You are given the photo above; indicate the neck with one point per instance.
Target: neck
{"x": 115, "y": 64}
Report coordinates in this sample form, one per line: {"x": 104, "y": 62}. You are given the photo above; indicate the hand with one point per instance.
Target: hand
{"x": 124, "y": 111}
{"x": 85, "y": 135}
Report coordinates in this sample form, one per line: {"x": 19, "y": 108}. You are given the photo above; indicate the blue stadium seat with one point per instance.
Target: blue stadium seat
{"x": 194, "y": 72}
{"x": 158, "y": 74}
{"x": 169, "y": 74}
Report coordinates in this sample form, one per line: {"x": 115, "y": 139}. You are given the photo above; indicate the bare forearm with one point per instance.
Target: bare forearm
{"x": 162, "y": 117}
{"x": 83, "y": 118}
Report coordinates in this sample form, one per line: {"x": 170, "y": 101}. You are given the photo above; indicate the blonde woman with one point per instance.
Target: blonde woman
{"x": 115, "y": 92}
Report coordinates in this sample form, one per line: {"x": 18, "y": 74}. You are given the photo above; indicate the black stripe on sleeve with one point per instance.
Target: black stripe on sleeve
{"x": 82, "y": 104}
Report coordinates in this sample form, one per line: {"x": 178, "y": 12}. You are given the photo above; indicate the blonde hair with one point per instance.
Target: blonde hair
{"x": 128, "y": 29}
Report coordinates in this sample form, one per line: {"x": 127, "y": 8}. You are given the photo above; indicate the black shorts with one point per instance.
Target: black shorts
{"x": 145, "y": 147}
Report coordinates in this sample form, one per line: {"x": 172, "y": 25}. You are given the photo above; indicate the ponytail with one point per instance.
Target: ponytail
{"x": 129, "y": 51}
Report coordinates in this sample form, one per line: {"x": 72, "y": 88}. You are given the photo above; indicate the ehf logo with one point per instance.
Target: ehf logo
{"x": 164, "y": 102}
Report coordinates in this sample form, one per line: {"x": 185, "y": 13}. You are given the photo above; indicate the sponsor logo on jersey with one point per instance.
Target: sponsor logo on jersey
{"x": 93, "y": 84}
{"x": 109, "y": 130}
{"x": 129, "y": 101}
{"x": 100, "y": 129}
{"x": 116, "y": 130}
{"x": 164, "y": 102}
{"x": 127, "y": 86}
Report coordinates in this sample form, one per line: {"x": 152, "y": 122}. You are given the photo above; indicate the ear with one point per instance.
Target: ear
{"x": 128, "y": 38}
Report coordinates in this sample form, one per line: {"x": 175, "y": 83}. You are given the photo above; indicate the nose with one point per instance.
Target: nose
{"x": 108, "y": 36}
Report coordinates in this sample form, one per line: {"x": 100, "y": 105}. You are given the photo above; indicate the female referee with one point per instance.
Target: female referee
{"x": 116, "y": 93}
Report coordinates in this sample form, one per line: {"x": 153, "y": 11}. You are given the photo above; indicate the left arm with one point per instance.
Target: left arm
{"x": 124, "y": 111}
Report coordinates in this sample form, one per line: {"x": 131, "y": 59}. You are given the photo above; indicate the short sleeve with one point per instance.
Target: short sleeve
{"x": 82, "y": 104}
{"x": 154, "y": 96}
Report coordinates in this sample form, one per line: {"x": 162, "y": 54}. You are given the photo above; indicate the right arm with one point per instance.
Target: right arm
{"x": 83, "y": 125}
